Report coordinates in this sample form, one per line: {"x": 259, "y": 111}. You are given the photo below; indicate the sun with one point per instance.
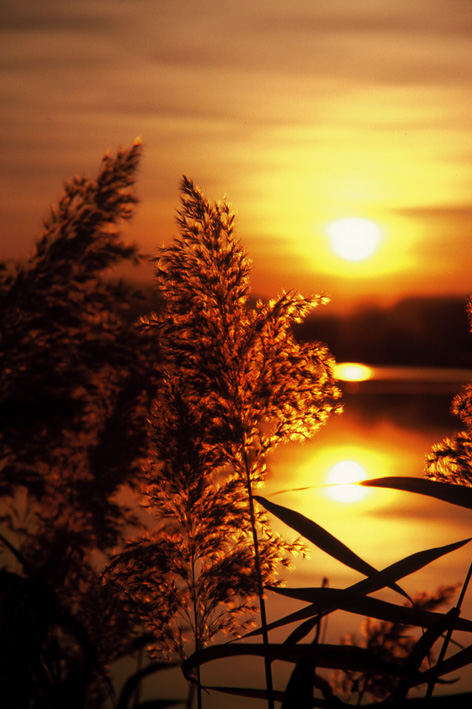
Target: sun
{"x": 352, "y": 372}
{"x": 341, "y": 479}
{"x": 354, "y": 238}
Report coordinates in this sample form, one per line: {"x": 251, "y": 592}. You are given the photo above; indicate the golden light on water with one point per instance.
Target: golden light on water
{"x": 341, "y": 480}
{"x": 354, "y": 238}
{"x": 352, "y": 372}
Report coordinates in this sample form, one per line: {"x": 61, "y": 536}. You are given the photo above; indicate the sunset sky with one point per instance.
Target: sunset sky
{"x": 302, "y": 113}
{"x": 323, "y": 122}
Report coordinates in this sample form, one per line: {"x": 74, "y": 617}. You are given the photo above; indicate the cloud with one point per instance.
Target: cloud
{"x": 53, "y": 16}
{"x": 422, "y": 18}
{"x": 439, "y": 220}
{"x": 400, "y": 44}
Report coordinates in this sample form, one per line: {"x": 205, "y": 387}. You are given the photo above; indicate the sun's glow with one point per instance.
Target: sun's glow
{"x": 352, "y": 372}
{"x": 354, "y": 238}
{"x": 341, "y": 482}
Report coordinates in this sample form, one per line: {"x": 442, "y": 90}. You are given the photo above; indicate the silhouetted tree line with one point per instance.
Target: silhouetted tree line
{"x": 416, "y": 331}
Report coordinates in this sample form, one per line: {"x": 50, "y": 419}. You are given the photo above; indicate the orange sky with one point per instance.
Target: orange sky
{"x": 300, "y": 112}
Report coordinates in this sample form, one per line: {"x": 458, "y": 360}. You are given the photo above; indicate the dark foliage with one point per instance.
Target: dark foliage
{"x": 75, "y": 383}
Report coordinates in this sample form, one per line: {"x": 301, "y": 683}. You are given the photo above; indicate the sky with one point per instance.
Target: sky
{"x": 301, "y": 113}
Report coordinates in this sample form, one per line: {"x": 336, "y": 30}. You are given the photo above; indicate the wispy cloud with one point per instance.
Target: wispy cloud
{"x": 54, "y": 16}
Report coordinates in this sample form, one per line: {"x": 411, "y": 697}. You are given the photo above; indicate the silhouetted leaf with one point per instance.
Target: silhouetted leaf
{"x": 454, "y": 612}
{"x": 320, "y": 538}
{"x": 247, "y": 692}
{"x": 299, "y": 691}
{"x": 453, "y": 663}
{"x": 133, "y": 682}
{"x": 159, "y": 703}
{"x": 345, "y": 657}
{"x": 379, "y": 580}
{"x": 422, "y": 649}
{"x": 302, "y": 630}
{"x": 445, "y": 701}
{"x": 301, "y": 614}
{"x": 372, "y": 607}
{"x": 262, "y": 694}
{"x": 402, "y": 568}
{"x": 460, "y": 495}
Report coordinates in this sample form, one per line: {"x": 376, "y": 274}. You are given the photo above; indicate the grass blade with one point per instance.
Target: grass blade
{"x": 445, "y": 701}
{"x": 454, "y": 494}
{"x": 133, "y": 681}
{"x": 301, "y": 631}
{"x": 245, "y": 692}
{"x": 262, "y": 694}
{"x": 421, "y": 650}
{"x": 447, "y": 639}
{"x": 377, "y": 581}
{"x": 403, "y": 568}
{"x": 299, "y": 691}
{"x": 344, "y": 657}
{"x": 159, "y": 703}
{"x": 372, "y": 607}
{"x": 321, "y": 538}
{"x": 453, "y": 663}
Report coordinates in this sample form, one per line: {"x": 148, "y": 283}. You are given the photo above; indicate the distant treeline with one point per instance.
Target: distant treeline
{"x": 423, "y": 331}
{"x": 415, "y": 331}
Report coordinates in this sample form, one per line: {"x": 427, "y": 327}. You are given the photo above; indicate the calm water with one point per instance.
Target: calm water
{"x": 389, "y": 424}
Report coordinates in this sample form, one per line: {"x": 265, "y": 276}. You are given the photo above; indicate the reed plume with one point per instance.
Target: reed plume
{"x": 235, "y": 384}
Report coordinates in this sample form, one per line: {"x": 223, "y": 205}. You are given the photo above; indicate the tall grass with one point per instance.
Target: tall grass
{"x": 235, "y": 384}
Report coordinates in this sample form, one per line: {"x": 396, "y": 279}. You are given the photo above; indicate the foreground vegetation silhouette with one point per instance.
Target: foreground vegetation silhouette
{"x": 182, "y": 409}
{"x": 75, "y": 385}
{"x": 235, "y": 384}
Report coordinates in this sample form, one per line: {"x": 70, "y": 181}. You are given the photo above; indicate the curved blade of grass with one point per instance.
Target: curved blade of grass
{"x": 372, "y": 607}
{"x": 301, "y": 614}
{"x": 343, "y": 657}
{"x": 262, "y": 694}
{"x": 246, "y": 692}
{"x": 453, "y": 663}
{"x": 421, "y": 650}
{"x": 445, "y": 701}
{"x": 321, "y": 538}
{"x": 301, "y": 631}
{"x": 447, "y": 639}
{"x": 134, "y": 680}
{"x": 299, "y": 690}
{"x": 159, "y": 703}
{"x": 403, "y": 568}
{"x": 377, "y": 581}
{"x": 454, "y": 494}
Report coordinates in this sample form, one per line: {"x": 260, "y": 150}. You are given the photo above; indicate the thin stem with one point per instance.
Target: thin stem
{"x": 260, "y": 588}
{"x": 196, "y": 631}
{"x": 139, "y": 666}
{"x": 447, "y": 639}
{"x": 191, "y": 689}
{"x": 16, "y": 553}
